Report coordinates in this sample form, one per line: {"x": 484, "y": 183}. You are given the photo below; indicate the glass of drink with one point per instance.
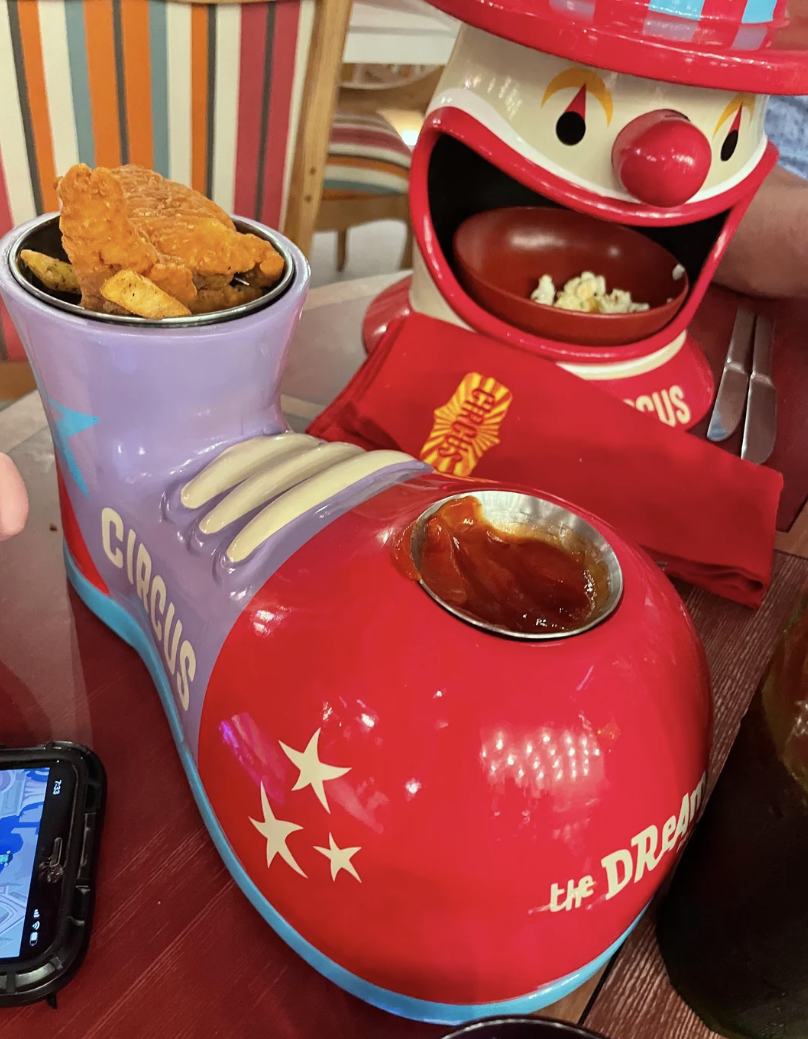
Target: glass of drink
{"x": 733, "y": 928}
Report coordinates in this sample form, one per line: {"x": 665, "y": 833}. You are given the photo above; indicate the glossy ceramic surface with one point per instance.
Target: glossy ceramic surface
{"x": 89, "y": 686}
{"x": 446, "y": 823}
{"x": 521, "y": 94}
{"x": 474, "y": 784}
{"x": 511, "y": 125}
{"x": 752, "y": 45}
{"x": 501, "y": 254}
{"x": 663, "y": 159}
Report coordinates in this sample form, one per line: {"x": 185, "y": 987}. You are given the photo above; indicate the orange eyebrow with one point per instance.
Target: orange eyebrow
{"x": 575, "y": 78}
{"x": 746, "y": 101}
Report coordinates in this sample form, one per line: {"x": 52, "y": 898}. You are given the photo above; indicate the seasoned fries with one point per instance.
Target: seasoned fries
{"x": 140, "y": 296}
{"x": 54, "y": 274}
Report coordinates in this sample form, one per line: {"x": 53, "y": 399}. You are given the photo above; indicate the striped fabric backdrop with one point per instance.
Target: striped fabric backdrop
{"x": 208, "y": 95}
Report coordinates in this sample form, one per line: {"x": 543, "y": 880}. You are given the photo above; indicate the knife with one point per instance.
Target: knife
{"x": 760, "y": 428}
{"x": 732, "y": 390}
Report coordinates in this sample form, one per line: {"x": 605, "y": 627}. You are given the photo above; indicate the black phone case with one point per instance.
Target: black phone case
{"x": 41, "y": 978}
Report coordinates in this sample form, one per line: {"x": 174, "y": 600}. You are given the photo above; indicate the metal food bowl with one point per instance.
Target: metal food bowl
{"x": 45, "y": 237}
{"x": 521, "y": 1028}
{"x": 516, "y": 513}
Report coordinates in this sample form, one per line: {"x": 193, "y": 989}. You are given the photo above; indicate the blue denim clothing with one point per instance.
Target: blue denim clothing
{"x": 787, "y": 127}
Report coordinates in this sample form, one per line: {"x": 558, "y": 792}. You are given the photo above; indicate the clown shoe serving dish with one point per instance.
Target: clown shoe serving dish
{"x": 645, "y": 114}
{"x": 451, "y": 803}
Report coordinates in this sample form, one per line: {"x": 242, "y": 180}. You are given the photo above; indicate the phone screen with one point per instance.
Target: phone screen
{"x": 35, "y": 810}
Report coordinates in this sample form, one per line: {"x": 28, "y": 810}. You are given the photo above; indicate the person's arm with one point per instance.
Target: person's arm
{"x": 768, "y": 255}
{"x": 13, "y": 499}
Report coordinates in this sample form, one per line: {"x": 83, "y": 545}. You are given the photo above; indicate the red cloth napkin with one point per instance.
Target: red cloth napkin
{"x": 705, "y": 513}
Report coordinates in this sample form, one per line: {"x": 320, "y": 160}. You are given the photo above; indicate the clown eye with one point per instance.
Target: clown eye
{"x": 570, "y": 128}
{"x": 731, "y": 142}
{"x": 571, "y": 125}
{"x": 729, "y": 146}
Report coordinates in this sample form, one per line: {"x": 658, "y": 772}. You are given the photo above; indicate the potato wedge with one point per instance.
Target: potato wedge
{"x": 141, "y": 297}
{"x": 54, "y": 274}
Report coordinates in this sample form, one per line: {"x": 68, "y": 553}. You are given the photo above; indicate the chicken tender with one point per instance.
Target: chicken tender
{"x": 182, "y": 223}
{"x": 131, "y": 218}
{"x": 101, "y": 240}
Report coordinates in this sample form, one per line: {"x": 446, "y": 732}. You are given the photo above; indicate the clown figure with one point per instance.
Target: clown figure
{"x": 650, "y": 116}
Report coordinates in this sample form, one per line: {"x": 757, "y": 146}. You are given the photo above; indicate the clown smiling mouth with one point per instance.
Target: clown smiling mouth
{"x": 461, "y": 184}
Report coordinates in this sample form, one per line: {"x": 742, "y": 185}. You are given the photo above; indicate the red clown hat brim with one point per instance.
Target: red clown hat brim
{"x": 755, "y": 46}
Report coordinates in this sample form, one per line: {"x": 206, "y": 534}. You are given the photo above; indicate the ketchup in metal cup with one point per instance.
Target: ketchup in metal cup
{"x": 521, "y": 582}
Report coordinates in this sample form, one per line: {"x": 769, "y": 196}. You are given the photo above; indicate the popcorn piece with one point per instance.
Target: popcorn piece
{"x": 577, "y": 300}
{"x": 582, "y": 293}
{"x": 545, "y": 291}
{"x": 586, "y": 294}
{"x": 620, "y": 302}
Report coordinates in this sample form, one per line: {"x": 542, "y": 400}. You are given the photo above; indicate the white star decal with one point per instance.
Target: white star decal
{"x": 313, "y": 772}
{"x": 340, "y": 858}
{"x": 277, "y": 833}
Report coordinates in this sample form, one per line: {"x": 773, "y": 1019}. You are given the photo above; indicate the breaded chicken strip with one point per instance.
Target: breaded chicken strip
{"x": 100, "y": 239}
{"x": 184, "y": 224}
{"x": 132, "y": 218}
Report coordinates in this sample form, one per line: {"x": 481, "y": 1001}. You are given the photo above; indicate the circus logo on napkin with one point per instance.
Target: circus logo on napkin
{"x": 468, "y": 426}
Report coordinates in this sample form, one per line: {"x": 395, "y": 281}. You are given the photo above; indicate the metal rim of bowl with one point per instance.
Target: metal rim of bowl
{"x": 507, "y": 1025}
{"x": 194, "y": 321}
{"x": 538, "y": 509}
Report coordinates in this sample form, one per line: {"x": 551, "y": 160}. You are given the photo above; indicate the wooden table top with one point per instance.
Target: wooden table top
{"x": 177, "y": 951}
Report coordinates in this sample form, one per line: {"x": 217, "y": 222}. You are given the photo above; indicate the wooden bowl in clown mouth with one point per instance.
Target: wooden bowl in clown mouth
{"x": 501, "y": 254}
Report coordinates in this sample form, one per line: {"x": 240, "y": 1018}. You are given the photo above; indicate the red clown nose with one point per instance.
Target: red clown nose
{"x": 661, "y": 158}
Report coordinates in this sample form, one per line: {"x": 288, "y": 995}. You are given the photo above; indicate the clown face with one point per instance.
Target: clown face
{"x": 510, "y": 126}
{"x": 573, "y": 125}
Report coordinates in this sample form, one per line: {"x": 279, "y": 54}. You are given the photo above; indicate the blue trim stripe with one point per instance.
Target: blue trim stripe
{"x": 125, "y": 626}
{"x": 158, "y": 44}
{"x": 80, "y": 80}
{"x": 758, "y": 12}
{"x": 680, "y": 8}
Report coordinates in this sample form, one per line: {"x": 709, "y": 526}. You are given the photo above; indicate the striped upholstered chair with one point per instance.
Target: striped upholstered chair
{"x": 367, "y": 175}
{"x": 233, "y": 98}
{"x": 367, "y": 178}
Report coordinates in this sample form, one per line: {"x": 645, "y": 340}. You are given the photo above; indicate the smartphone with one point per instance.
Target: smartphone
{"x": 51, "y": 810}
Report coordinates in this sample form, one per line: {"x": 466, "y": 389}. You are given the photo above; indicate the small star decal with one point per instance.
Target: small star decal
{"x": 340, "y": 858}
{"x": 313, "y": 772}
{"x": 277, "y": 833}
{"x": 67, "y": 424}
